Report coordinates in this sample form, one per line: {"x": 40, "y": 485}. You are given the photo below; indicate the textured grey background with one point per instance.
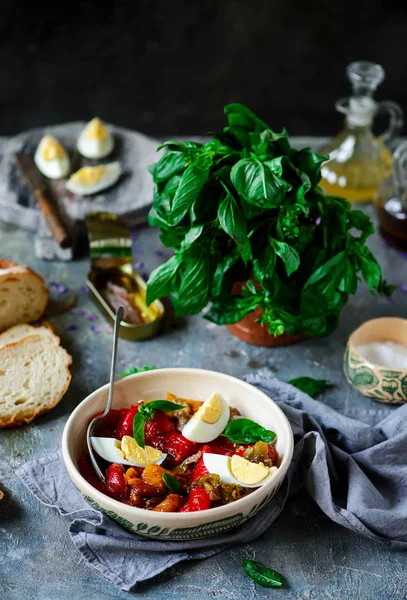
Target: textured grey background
{"x": 167, "y": 68}
{"x": 319, "y": 560}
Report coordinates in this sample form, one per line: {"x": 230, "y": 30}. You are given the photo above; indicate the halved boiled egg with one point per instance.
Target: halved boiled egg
{"x": 209, "y": 420}
{"x": 95, "y": 140}
{"x": 90, "y": 180}
{"x": 238, "y": 470}
{"x": 126, "y": 451}
{"x": 51, "y": 158}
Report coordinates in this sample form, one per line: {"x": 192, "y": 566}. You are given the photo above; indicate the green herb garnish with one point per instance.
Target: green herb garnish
{"x": 262, "y": 575}
{"x": 312, "y": 387}
{"x": 245, "y": 431}
{"x": 247, "y": 205}
{"x": 172, "y": 484}
{"x": 134, "y": 370}
{"x": 146, "y": 412}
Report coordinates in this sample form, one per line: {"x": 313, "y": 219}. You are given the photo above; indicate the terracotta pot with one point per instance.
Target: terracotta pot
{"x": 253, "y": 333}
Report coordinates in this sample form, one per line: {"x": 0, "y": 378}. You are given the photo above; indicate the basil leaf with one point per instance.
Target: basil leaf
{"x": 171, "y": 163}
{"x": 245, "y": 431}
{"x": 134, "y": 370}
{"x": 312, "y": 387}
{"x": 172, "y": 484}
{"x": 193, "y": 234}
{"x": 221, "y": 271}
{"x": 262, "y": 575}
{"x": 190, "y": 185}
{"x": 162, "y": 280}
{"x": 224, "y": 312}
{"x": 138, "y": 428}
{"x": 232, "y": 221}
{"x": 288, "y": 255}
{"x": 257, "y": 184}
{"x": 162, "y": 405}
{"x": 195, "y": 286}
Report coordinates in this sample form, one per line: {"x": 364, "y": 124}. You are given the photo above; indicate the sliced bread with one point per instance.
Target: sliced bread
{"x": 34, "y": 375}
{"x": 18, "y": 332}
{"x": 23, "y": 295}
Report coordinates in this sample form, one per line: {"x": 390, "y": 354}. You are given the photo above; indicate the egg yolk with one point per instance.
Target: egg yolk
{"x": 52, "y": 149}
{"x": 88, "y": 176}
{"x": 96, "y": 130}
{"x": 210, "y": 410}
{"x": 132, "y": 452}
{"x": 246, "y": 471}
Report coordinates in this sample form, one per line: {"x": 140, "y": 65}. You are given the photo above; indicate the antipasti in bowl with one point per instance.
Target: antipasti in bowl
{"x": 186, "y": 453}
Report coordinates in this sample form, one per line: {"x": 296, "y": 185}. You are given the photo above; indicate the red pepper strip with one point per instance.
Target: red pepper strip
{"x": 175, "y": 444}
{"x": 272, "y": 452}
{"x": 125, "y": 426}
{"x": 110, "y": 422}
{"x": 199, "y": 470}
{"x": 160, "y": 423}
{"x": 116, "y": 486}
{"x": 198, "y": 499}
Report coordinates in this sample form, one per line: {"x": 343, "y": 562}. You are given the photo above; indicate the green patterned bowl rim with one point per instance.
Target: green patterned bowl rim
{"x": 180, "y": 519}
{"x": 395, "y": 329}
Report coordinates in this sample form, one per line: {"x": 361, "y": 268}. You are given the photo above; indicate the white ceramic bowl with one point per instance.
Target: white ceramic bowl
{"x": 187, "y": 383}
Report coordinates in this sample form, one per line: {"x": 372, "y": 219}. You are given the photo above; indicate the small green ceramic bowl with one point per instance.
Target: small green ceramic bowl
{"x": 384, "y": 384}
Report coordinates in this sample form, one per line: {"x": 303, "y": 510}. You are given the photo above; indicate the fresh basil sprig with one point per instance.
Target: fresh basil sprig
{"x": 146, "y": 412}
{"x": 246, "y": 431}
{"x": 134, "y": 370}
{"x": 262, "y": 575}
{"x": 172, "y": 484}
{"x": 247, "y": 204}
{"x": 312, "y": 387}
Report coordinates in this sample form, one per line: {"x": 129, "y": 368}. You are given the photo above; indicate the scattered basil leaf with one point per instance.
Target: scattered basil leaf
{"x": 146, "y": 412}
{"x": 312, "y": 387}
{"x": 245, "y": 431}
{"x": 262, "y": 575}
{"x": 134, "y": 370}
{"x": 172, "y": 484}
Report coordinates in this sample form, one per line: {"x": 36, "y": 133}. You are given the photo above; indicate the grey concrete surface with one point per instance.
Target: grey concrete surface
{"x": 319, "y": 560}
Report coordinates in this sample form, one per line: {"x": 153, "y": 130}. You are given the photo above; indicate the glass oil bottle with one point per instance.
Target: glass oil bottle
{"x": 358, "y": 160}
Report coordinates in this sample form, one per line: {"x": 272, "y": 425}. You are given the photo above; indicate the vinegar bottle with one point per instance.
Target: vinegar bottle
{"x": 358, "y": 160}
{"x": 391, "y": 201}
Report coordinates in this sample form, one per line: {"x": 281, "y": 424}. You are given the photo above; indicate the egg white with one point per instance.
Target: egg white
{"x": 53, "y": 169}
{"x": 198, "y": 431}
{"x": 110, "y": 177}
{"x": 91, "y": 148}
{"x": 106, "y": 448}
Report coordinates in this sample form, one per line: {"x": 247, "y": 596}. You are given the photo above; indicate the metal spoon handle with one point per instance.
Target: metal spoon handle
{"x": 117, "y": 321}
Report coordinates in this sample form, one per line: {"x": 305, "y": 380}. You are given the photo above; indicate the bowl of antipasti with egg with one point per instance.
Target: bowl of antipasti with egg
{"x": 185, "y": 453}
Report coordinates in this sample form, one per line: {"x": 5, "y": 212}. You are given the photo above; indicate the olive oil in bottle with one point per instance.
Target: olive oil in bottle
{"x": 358, "y": 160}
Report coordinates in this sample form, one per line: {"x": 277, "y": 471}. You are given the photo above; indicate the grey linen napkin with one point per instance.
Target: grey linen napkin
{"x": 357, "y": 474}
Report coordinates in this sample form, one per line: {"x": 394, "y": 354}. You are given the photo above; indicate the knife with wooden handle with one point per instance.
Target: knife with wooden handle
{"x": 34, "y": 178}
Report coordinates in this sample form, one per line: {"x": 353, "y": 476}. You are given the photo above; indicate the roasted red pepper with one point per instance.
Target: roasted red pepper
{"x": 116, "y": 485}
{"x": 125, "y": 426}
{"x": 198, "y": 499}
{"x": 110, "y": 422}
{"x": 199, "y": 470}
{"x": 272, "y": 453}
{"x": 160, "y": 423}
{"x": 175, "y": 444}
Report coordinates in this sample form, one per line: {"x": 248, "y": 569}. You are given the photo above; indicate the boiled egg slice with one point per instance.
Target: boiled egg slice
{"x": 238, "y": 470}
{"x": 126, "y": 451}
{"x": 90, "y": 180}
{"x": 209, "y": 420}
{"x": 95, "y": 140}
{"x": 52, "y": 159}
